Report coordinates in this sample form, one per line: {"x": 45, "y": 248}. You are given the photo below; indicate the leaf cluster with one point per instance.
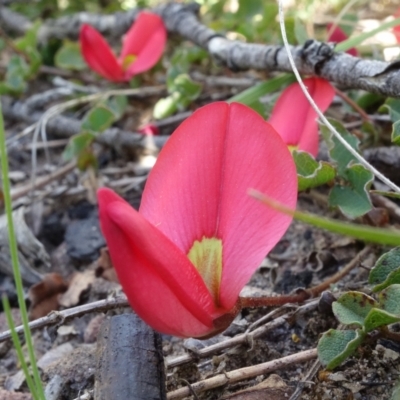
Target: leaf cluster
{"x": 364, "y": 313}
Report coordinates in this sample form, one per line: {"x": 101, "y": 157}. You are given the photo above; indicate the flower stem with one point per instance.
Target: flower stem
{"x": 303, "y": 294}
{"x": 14, "y": 260}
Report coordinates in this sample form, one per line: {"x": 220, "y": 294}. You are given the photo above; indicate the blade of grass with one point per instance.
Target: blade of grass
{"x": 252, "y": 94}
{"x": 355, "y": 41}
{"x": 366, "y": 233}
{"x": 18, "y": 347}
{"x": 14, "y": 260}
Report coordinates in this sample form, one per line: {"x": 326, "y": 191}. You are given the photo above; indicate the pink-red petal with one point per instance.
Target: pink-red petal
{"x": 198, "y": 188}
{"x": 161, "y": 284}
{"x": 146, "y": 40}
{"x": 98, "y": 54}
{"x": 294, "y": 118}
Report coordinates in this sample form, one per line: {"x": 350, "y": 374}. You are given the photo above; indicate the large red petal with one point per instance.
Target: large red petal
{"x": 161, "y": 284}
{"x": 199, "y": 186}
{"x": 98, "y": 54}
{"x": 145, "y": 40}
{"x": 294, "y": 118}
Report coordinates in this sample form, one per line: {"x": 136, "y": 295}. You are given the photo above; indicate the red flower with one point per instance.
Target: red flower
{"x": 294, "y": 118}
{"x": 142, "y": 47}
{"x": 149, "y": 129}
{"x": 337, "y": 36}
{"x": 198, "y": 236}
{"x": 396, "y": 29}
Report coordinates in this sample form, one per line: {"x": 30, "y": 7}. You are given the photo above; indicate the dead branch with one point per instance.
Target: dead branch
{"x": 59, "y": 317}
{"x": 312, "y": 58}
{"x": 243, "y": 373}
{"x": 124, "y": 142}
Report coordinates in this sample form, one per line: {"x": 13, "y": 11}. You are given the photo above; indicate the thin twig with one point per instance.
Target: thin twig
{"x": 273, "y": 301}
{"x": 243, "y": 373}
{"x": 309, "y": 376}
{"x": 244, "y": 338}
{"x": 353, "y": 104}
{"x": 56, "y": 317}
{"x": 43, "y": 181}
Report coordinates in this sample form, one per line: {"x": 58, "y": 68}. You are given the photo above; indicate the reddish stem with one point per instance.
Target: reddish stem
{"x": 274, "y": 301}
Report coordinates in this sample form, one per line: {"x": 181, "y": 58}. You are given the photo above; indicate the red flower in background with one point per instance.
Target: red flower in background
{"x": 142, "y": 47}
{"x": 337, "y": 36}
{"x": 396, "y": 29}
{"x": 149, "y": 129}
{"x": 294, "y": 118}
{"x": 198, "y": 236}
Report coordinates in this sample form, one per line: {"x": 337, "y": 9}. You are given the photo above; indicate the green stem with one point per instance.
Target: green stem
{"x": 18, "y": 347}
{"x": 14, "y": 259}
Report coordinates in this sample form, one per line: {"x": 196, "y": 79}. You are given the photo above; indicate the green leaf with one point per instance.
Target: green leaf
{"x": 377, "y": 318}
{"x": 77, "y": 144}
{"x": 98, "y": 119}
{"x": 165, "y": 107}
{"x": 386, "y": 264}
{"x": 390, "y": 299}
{"x": 352, "y": 307}
{"x": 353, "y": 199}
{"x": 186, "y": 87}
{"x": 117, "y": 104}
{"x": 183, "y": 91}
{"x": 86, "y": 159}
{"x": 348, "y": 28}
{"x": 337, "y": 151}
{"x": 393, "y": 106}
{"x": 69, "y": 57}
{"x": 251, "y": 96}
{"x": 312, "y": 173}
{"x": 29, "y": 40}
{"x": 392, "y": 278}
{"x": 248, "y": 9}
{"x": 300, "y": 31}
{"x": 355, "y": 41}
{"x": 16, "y": 74}
{"x": 335, "y": 346}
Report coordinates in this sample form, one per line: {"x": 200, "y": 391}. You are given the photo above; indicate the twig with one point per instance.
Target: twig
{"x": 243, "y": 373}
{"x": 43, "y": 181}
{"x": 353, "y": 104}
{"x": 244, "y": 338}
{"x": 56, "y": 317}
{"x": 312, "y": 58}
{"x": 310, "y": 374}
{"x": 251, "y": 302}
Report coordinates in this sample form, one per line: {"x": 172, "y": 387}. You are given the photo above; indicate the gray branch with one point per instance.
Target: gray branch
{"x": 312, "y": 58}
{"x": 126, "y": 143}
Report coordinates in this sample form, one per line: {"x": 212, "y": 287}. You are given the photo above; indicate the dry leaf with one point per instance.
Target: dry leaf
{"x": 80, "y": 283}
{"x": 44, "y": 296}
{"x": 105, "y": 268}
{"x": 273, "y": 388}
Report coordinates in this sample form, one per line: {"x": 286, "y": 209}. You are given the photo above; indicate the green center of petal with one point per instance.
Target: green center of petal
{"x": 128, "y": 61}
{"x": 292, "y": 148}
{"x": 206, "y": 256}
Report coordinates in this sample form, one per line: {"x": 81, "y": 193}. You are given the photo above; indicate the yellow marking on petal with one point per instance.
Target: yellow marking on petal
{"x": 128, "y": 61}
{"x": 292, "y": 148}
{"x": 206, "y": 256}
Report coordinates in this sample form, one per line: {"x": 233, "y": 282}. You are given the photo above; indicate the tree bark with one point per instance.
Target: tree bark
{"x": 130, "y": 363}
